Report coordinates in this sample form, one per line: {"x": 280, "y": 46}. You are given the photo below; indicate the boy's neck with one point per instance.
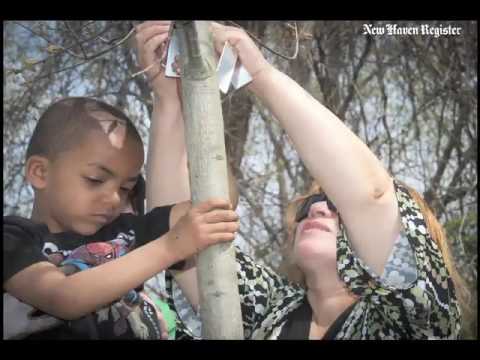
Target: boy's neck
{"x": 36, "y": 213}
{"x": 39, "y": 216}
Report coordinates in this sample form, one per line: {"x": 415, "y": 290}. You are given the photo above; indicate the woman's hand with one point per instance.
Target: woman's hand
{"x": 152, "y": 45}
{"x": 250, "y": 55}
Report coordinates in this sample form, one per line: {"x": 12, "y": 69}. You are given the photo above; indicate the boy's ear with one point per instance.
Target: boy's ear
{"x": 36, "y": 170}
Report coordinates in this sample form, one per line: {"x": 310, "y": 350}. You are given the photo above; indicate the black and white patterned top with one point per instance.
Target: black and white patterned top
{"x": 413, "y": 299}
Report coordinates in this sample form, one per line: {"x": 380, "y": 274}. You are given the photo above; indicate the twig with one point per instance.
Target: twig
{"x": 120, "y": 42}
{"x": 92, "y": 57}
{"x": 111, "y": 40}
{"x": 77, "y": 39}
{"x": 144, "y": 70}
{"x": 59, "y": 47}
{"x": 293, "y": 57}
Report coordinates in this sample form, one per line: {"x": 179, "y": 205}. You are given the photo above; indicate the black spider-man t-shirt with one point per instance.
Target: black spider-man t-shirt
{"x": 26, "y": 243}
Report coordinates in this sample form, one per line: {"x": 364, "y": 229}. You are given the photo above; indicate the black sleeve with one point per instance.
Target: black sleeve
{"x": 152, "y": 225}
{"x": 22, "y": 245}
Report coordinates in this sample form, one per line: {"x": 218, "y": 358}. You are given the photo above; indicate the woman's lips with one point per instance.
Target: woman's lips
{"x": 313, "y": 224}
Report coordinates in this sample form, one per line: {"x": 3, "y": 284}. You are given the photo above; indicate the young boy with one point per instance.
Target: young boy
{"x": 82, "y": 161}
{"x": 21, "y": 320}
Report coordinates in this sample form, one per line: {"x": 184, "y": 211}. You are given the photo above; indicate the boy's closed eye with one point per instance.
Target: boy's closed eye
{"x": 125, "y": 189}
{"x": 94, "y": 180}
{"x": 97, "y": 182}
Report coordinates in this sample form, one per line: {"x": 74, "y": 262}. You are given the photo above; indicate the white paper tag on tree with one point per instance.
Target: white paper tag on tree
{"x": 241, "y": 76}
{"x": 229, "y": 69}
{"x": 172, "y": 52}
{"x": 226, "y": 67}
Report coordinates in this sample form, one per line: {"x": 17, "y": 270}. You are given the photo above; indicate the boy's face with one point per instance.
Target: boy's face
{"x": 87, "y": 187}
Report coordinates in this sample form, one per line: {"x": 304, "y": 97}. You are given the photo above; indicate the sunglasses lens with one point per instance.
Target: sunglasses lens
{"x": 331, "y": 206}
{"x": 302, "y": 212}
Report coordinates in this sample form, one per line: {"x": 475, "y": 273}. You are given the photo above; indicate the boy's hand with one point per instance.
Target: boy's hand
{"x": 249, "y": 54}
{"x": 205, "y": 224}
{"x": 152, "y": 45}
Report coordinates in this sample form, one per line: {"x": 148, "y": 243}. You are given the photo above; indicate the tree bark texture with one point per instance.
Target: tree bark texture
{"x": 204, "y": 130}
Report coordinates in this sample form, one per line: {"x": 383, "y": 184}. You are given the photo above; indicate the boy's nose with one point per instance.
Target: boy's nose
{"x": 113, "y": 199}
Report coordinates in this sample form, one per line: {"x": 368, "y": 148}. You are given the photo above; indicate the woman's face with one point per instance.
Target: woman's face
{"x": 316, "y": 233}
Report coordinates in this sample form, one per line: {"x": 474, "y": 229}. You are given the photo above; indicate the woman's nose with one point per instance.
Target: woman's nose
{"x": 319, "y": 209}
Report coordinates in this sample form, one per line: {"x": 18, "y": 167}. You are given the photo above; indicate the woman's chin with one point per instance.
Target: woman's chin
{"x": 314, "y": 252}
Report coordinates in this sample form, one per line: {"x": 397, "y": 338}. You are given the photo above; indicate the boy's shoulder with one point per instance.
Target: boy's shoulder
{"x": 15, "y": 224}
{"x": 17, "y": 220}
{"x": 22, "y": 244}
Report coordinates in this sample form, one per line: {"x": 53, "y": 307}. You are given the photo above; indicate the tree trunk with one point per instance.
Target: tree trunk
{"x": 204, "y": 130}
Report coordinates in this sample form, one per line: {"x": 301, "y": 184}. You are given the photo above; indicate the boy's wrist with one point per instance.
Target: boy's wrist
{"x": 184, "y": 265}
{"x": 173, "y": 247}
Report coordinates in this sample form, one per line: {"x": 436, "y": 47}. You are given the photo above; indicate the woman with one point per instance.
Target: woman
{"x": 372, "y": 258}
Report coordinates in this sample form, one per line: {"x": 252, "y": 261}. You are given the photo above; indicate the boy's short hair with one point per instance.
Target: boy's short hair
{"x": 66, "y": 122}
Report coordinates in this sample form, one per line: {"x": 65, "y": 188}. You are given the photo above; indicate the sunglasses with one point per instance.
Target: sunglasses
{"x": 303, "y": 210}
